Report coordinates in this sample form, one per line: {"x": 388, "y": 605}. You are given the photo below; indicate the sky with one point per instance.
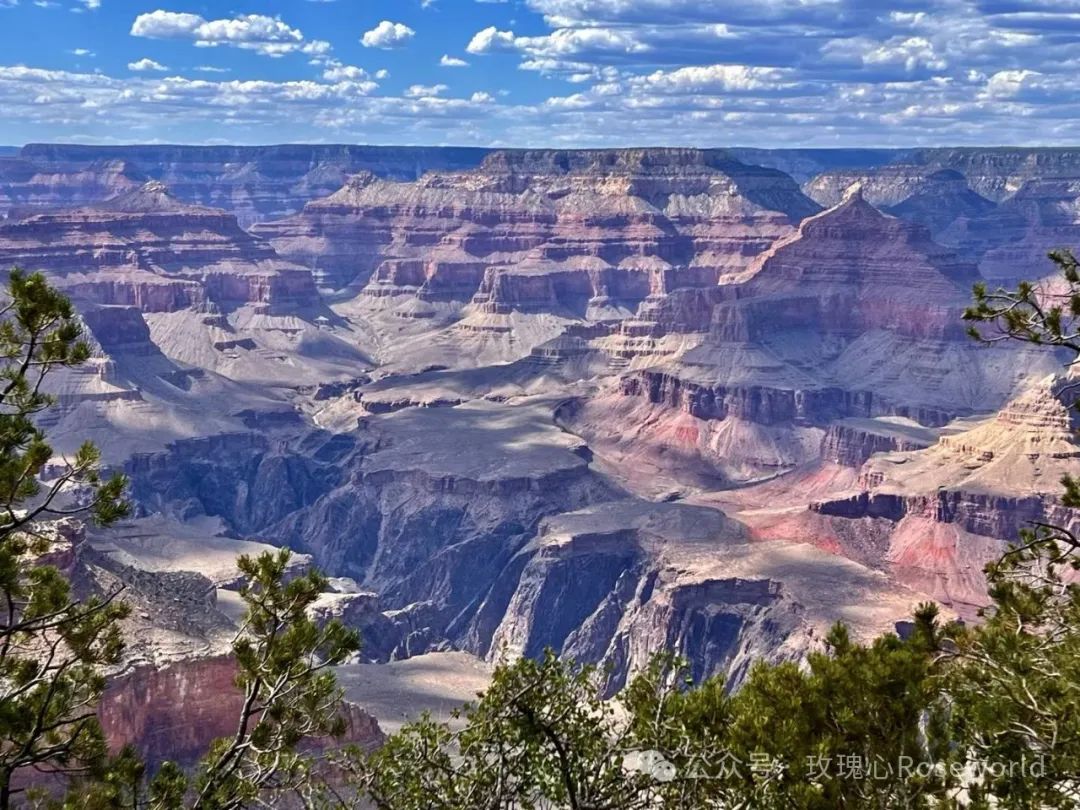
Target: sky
{"x": 542, "y": 73}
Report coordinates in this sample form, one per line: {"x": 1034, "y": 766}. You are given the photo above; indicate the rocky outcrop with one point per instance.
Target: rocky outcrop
{"x": 143, "y": 248}
{"x": 851, "y": 442}
{"x": 823, "y": 326}
{"x": 581, "y": 226}
{"x": 27, "y": 186}
{"x": 994, "y": 173}
{"x": 944, "y": 198}
{"x": 618, "y": 582}
{"x": 953, "y": 506}
{"x": 175, "y": 712}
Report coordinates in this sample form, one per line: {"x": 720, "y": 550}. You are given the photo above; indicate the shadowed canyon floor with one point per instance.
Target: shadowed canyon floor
{"x": 607, "y": 402}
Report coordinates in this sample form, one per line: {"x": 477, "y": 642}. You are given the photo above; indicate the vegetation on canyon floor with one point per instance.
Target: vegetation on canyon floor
{"x": 945, "y": 715}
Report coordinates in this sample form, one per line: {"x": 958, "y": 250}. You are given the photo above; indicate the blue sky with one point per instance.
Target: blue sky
{"x": 542, "y": 72}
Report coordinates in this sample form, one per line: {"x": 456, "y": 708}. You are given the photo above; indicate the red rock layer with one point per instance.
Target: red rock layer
{"x": 175, "y": 712}
{"x": 622, "y": 222}
{"x": 145, "y": 249}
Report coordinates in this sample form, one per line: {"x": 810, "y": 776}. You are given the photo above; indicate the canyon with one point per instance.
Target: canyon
{"x": 607, "y": 402}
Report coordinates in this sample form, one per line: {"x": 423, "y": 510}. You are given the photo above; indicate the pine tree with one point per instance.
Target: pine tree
{"x": 52, "y": 645}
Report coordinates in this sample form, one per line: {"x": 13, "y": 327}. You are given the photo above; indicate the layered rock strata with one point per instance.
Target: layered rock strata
{"x": 546, "y": 229}
{"x": 252, "y": 182}
{"x": 143, "y": 248}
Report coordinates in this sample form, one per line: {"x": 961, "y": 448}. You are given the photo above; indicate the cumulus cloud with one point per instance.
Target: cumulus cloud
{"x": 387, "y": 35}
{"x": 269, "y": 36}
{"x": 1008, "y": 83}
{"x": 337, "y": 72}
{"x": 425, "y": 90}
{"x": 802, "y": 72}
{"x": 560, "y": 44}
{"x": 714, "y": 79}
{"x": 490, "y": 40}
{"x": 146, "y": 64}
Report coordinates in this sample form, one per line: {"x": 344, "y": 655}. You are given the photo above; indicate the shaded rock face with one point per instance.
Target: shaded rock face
{"x": 1011, "y": 241}
{"x": 515, "y": 546}
{"x": 592, "y": 587}
{"x": 565, "y": 227}
{"x": 252, "y": 182}
{"x": 176, "y": 712}
{"x": 993, "y": 173}
{"x": 248, "y": 479}
{"x": 143, "y": 248}
{"x": 27, "y": 186}
{"x": 944, "y": 199}
{"x": 763, "y": 405}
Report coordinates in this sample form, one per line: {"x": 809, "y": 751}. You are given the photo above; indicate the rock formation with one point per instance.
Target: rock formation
{"x": 546, "y": 229}
{"x": 605, "y": 401}
{"x": 175, "y": 712}
{"x": 145, "y": 248}
{"x": 823, "y": 326}
{"x": 252, "y": 182}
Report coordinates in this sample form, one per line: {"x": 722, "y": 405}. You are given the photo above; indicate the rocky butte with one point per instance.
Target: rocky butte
{"x": 606, "y": 401}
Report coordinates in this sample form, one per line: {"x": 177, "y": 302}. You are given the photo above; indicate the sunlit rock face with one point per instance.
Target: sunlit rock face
{"x": 821, "y": 327}
{"x": 607, "y": 402}
{"x": 570, "y": 229}
{"x": 950, "y": 508}
{"x": 144, "y": 248}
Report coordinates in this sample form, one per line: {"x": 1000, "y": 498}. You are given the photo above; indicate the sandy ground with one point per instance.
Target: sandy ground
{"x": 403, "y": 690}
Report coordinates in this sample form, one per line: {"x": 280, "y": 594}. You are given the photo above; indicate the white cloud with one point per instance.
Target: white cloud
{"x": 269, "y": 36}
{"x": 491, "y": 39}
{"x": 425, "y": 90}
{"x": 387, "y": 35}
{"x": 481, "y": 97}
{"x": 146, "y": 64}
{"x": 211, "y": 69}
{"x": 452, "y": 61}
{"x": 911, "y": 52}
{"x": 82, "y": 52}
{"x": 1008, "y": 83}
{"x": 713, "y": 79}
{"x": 561, "y": 50}
{"x": 338, "y": 72}
{"x": 382, "y": 73}
{"x": 91, "y": 5}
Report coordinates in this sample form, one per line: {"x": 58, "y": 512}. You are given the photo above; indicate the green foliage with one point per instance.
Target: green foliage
{"x": 52, "y": 645}
{"x": 54, "y": 648}
{"x": 541, "y": 733}
{"x": 544, "y": 736}
{"x": 290, "y": 693}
